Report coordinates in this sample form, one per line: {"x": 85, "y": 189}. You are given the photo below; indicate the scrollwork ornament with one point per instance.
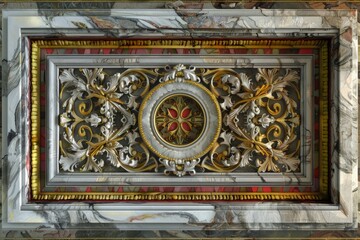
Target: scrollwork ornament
{"x": 179, "y": 73}
{"x": 259, "y": 112}
{"x": 100, "y": 107}
{"x": 266, "y": 138}
{"x": 180, "y": 167}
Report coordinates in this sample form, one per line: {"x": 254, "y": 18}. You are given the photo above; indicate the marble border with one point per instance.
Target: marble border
{"x": 341, "y": 214}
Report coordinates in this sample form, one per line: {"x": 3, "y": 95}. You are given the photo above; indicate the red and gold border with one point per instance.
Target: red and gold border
{"x": 37, "y": 45}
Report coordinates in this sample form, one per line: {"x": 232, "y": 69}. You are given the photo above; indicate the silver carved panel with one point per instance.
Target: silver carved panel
{"x": 303, "y": 176}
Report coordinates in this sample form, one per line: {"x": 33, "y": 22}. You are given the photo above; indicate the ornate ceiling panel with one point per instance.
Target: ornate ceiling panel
{"x": 180, "y": 120}
{"x": 190, "y": 121}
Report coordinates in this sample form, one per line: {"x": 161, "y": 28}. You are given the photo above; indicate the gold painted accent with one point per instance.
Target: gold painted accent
{"x": 179, "y": 196}
{"x": 222, "y": 1}
{"x": 35, "y": 120}
{"x": 214, "y": 101}
{"x": 187, "y": 44}
{"x": 324, "y": 113}
{"x": 37, "y": 45}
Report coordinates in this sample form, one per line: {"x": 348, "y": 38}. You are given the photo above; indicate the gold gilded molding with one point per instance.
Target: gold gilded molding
{"x": 323, "y": 124}
{"x": 37, "y": 194}
{"x": 35, "y": 120}
{"x": 171, "y": 43}
{"x": 180, "y": 196}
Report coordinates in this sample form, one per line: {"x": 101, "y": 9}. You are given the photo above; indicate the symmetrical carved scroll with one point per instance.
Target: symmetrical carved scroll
{"x": 260, "y": 112}
{"x": 97, "y": 120}
{"x": 261, "y": 120}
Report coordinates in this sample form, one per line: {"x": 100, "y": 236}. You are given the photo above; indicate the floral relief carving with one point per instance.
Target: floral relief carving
{"x": 97, "y": 120}
{"x": 260, "y": 112}
{"x": 261, "y": 120}
{"x": 179, "y": 120}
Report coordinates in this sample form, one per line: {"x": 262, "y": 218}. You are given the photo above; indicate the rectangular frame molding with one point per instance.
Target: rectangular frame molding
{"x": 37, "y": 194}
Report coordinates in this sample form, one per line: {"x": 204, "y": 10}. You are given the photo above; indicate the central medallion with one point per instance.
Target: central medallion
{"x": 179, "y": 120}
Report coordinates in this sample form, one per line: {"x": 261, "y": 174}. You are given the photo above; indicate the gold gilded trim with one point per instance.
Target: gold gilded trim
{"x": 35, "y": 120}
{"x": 324, "y": 113}
{"x": 188, "y": 44}
{"x": 37, "y": 45}
{"x": 180, "y": 196}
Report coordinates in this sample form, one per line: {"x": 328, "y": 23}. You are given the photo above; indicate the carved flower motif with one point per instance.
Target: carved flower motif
{"x": 266, "y": 120}
{"x": 179, "y": 120}
{"x": 94, "y": 120}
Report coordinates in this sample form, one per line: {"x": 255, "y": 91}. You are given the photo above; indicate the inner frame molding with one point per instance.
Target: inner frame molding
{"x": 321, "y": 194}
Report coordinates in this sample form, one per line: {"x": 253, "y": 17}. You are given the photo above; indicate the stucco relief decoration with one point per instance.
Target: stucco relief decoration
{"x": 180, "y": 120}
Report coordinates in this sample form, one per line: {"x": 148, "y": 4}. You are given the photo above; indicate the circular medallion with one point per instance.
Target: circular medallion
{"x": 180, "y": 120}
